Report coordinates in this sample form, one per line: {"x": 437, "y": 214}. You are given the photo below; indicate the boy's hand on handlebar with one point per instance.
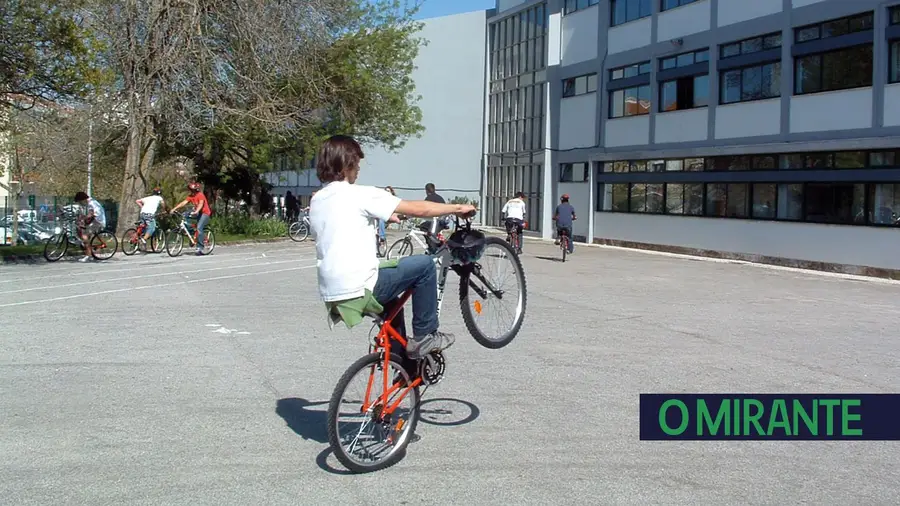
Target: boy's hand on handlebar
{"x": 466, "y": 210}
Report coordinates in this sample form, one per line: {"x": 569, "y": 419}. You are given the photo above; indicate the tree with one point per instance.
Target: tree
{"x": 46, "y": 54}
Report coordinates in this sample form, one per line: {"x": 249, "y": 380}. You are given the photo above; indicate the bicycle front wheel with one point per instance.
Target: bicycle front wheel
{"x": 174, "y": 243}
{"x": 401, "y": 248}
{"x": 495, "y": 289}
{"x": 104, "y": 245}
{"x": 362, "y": 436}
{"x": 130, "y": 242}
{"x": 298, "y": 231}
{"x": 55, "y": 247}
{"x": 158, "y": 241}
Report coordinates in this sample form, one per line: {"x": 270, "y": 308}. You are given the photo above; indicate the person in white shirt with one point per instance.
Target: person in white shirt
{"x": 92, "y": 222}
{"x": 514, "y": 215}
{"x": 149, "y": 208}
{"x": 343, "y": 215}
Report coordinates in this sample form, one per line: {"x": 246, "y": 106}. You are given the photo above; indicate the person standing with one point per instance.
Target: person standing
{"x": 91, "y": 222}
{"x": 431, "y": 194}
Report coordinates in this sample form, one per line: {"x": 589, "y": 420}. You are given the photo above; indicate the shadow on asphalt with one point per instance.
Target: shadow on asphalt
{"x": 311, "y": 424}
{"x": 549, "y": 259}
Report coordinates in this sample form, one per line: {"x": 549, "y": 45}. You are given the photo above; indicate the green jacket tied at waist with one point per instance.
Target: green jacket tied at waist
{"x": 353, "y": 311}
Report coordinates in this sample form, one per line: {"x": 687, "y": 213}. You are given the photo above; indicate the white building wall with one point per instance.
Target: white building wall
{"x": 748, "y": 119}
{"x": 579, "y": 36}
{"x": 735, "y": 11}
{"x": 579, "y": 197}
{"x": 577, "y": 121}
{"x": 629, "y": 36}
{"x": 802, "y": 3}
{"x": 682, "y": 126}
{"x": 801, "y": 241}
{"x": 450, "y": 79}
{"x": 892, "y": 105}
{"x": 816, "y": 112}
{"x": 631, "y": 131}
{"x": 684, "y": 20}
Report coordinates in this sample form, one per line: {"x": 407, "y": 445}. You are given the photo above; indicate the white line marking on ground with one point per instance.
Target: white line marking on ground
{"x": 135, "y": 288}
{"x": 154, "y": 265}
{"x": 143, "y": 276}
{"x": 213, "y": 325}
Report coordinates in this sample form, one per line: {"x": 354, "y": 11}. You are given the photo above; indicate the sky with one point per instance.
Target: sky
{"x": 434, "y": 8}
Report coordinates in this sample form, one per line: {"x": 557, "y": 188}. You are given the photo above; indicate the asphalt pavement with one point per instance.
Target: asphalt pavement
{"x": 205, "y": 380}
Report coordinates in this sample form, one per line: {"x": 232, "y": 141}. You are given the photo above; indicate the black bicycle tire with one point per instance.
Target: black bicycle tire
{"x": 114, "y": 249}
{"x": 125, "y": 241}
{"x": 212, "y": 240}
{"x": 466, "y": 308}
{"x": 407, "y": 242}
{"x": 159, "y": 235}
{"x": 564, "y": 243}
{"x": 176, "y": 236}
{"x": 65, "y": 247}
{"x": 301, "y": 226}
{"x": 335, "y": 402}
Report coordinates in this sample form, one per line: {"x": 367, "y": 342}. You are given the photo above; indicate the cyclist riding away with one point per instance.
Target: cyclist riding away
{"x": 149, "y": 207}
{"x": 201, "y": 209}
{"x": 514, "y": 215}
{"x": 93, "y": 221}
{"x": 564, "y": 216}
{"x": 343, "y": 219}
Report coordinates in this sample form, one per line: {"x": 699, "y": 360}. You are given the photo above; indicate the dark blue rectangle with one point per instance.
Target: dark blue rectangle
{"x": 782, "y": 417}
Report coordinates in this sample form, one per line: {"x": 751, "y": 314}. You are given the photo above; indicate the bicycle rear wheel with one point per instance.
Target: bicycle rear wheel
{"x": 104, "y": 245}
{"x": 481, "y": 296}
{"x": 130, "y": 242}
{"x": 209, "y": 241}
{"x": 158, "y": 240}
{"x": 298, "y": 231}
{"x": 386, "y": 436}
{"x": 564, "y": 244}
{"x": 55, "y": 247}
{"x": 174, "y": 243}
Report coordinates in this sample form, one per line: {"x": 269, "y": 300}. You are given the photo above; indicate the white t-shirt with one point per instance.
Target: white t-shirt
{"x": 343, "y": 219}
{"x": 514, "y": 208}
{"x": 151, "y": 204}
{"x": 99, "y": 213}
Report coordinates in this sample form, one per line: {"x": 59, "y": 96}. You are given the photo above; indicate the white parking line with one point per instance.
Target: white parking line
{"x": 142, "y": 276}
{"x": 135, "y": 288}
{"x": 152, "y": 265}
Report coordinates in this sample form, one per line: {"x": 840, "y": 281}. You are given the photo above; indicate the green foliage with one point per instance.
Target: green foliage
{"x": 47, "y": 54}
{"x": 243, "y": 224}
{"x": 464, "y": 200}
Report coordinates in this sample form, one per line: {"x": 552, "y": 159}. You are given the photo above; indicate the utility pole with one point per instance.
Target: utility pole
{"x": 90, "y": 153}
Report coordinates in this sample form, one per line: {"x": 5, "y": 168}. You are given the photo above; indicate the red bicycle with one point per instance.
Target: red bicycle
{"x": 131, "y": 239}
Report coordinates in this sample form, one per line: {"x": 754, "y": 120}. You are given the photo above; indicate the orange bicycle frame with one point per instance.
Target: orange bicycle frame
{"x": 383, "y": 342}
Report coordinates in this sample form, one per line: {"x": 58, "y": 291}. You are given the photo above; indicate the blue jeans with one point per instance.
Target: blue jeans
{"x": 416, "y": 272}
{"x": 381, "y": 228}
{"x": 201, "y": 226}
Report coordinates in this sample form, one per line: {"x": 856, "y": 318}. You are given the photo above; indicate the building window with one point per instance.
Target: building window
{"x": 727, "y": 200}
{"x": 728, "y": 163}
{"x": 765, "y": 200}
{"x": 646, "y": 198}
{"x": 749, "y": 46}
{"x": 895, "y": 15}
{"x": 839, "y": 203}
{"x": 834, "y": 28}
{"x": 835, "y": 70}
{"x": 580, "y": 85}
{"x": 630, "y": 102}
{"x": 894, "y": 58}
{"x": 671, "y": 4}
{"x": 573, "y": 172}
{"x": 638, "y": 69}
{"x": 623, "y": 11}
{"x": 620, "y": 198}
{"x": 884, "y": 158}
{"x": 884, "y": 204}
{"x": 790, "y": 202}
{"x": 685, "y": 199}
{"x": 751, "y": 83}
{"x": 684, "y": 59}
{"x": 577, "y": 5}
{"x": 684, "y": 93}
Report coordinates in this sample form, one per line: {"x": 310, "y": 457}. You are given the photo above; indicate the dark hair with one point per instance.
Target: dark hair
{"x": 81, "y": 196}
{"x": 520, "y": 195}
{"x": 338, "y": 153}
{"x": 564, "y": 199}
{"x": 429, "y": 188}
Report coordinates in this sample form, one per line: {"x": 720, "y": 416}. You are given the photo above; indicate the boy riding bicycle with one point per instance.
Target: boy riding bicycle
{"x": 564, "y": 216}
{"x": 343, "y": 216}
{"x": 514, "y": 216}
{"x": 149, "y": 207}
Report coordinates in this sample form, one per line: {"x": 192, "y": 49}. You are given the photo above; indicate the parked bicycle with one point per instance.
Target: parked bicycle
{"x": 426, "y": 236}
{"x": 103, "y": 243}
{"x": 298, "y": 231}
{"x": 389, "y": 377}
{"x": 187, "y": 228}
{"x": 131, "y": 239}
